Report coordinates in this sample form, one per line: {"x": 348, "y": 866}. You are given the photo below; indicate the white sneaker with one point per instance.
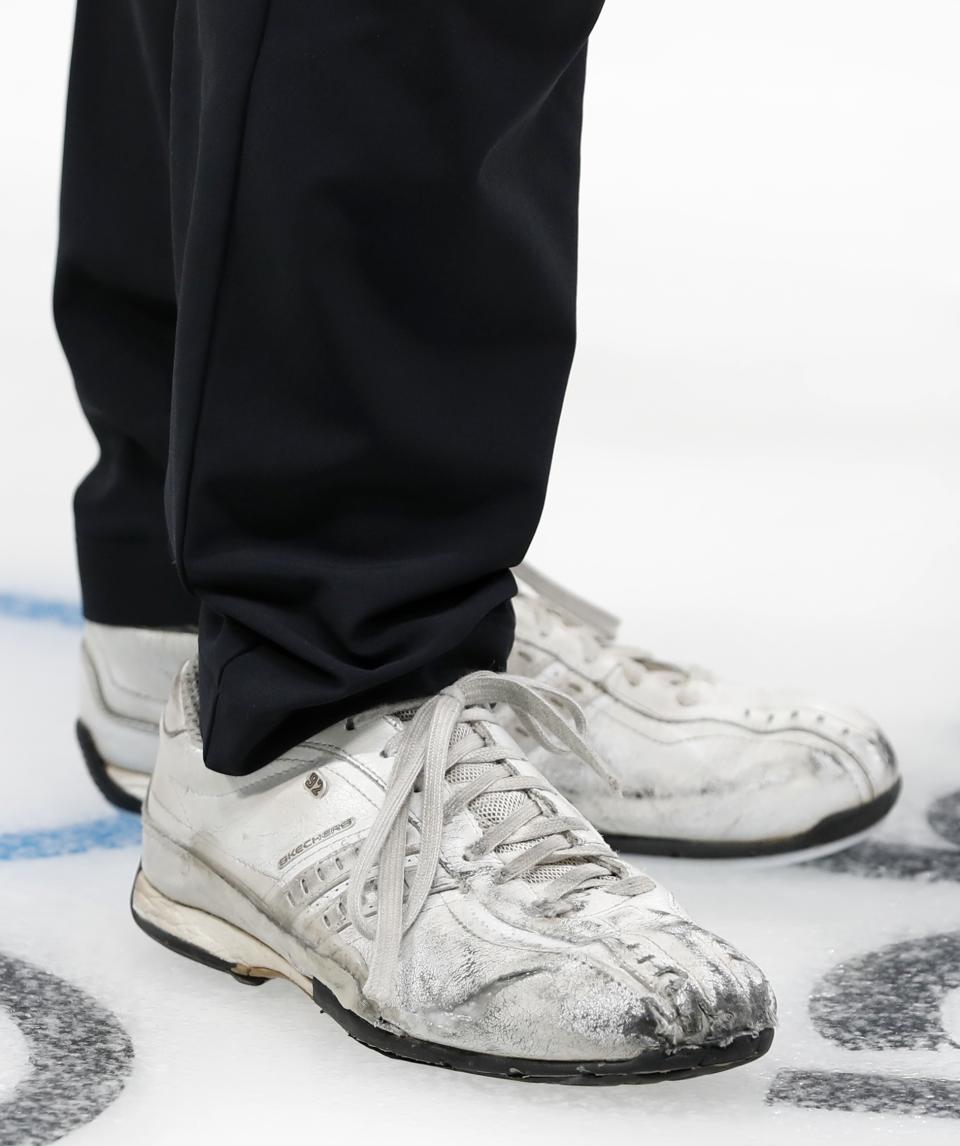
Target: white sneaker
{"x": 125, "y": 678}
{"x": 431, "y": 892}
{"x": 706, "y": 769}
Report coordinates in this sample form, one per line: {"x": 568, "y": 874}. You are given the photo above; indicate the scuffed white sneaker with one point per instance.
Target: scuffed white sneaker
{"x": 125, "y": 678}
{"x": 418, "y": 878}
{"x": 706, "y": 769}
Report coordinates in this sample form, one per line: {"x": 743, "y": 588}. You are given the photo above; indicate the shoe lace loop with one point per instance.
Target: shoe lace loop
{"x": 425, "y": 752}
{"x": 596, "y": 630}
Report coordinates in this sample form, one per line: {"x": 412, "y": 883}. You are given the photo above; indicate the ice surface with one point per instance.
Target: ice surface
{"x": 866, "y": 964}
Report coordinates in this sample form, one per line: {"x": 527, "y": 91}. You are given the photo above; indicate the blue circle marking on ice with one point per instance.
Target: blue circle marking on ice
{"x": 121, "y": 830}
{"x": 20, "y": 607}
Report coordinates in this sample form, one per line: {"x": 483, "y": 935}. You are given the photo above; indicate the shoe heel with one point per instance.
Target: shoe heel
{"x": 206, "y": 939}
{"x": 123, "y": 787}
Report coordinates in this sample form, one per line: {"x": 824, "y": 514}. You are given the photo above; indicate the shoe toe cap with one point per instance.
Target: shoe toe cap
{"x": 666, "y": 989}
{"x": 697, "y": 989}
{"x": 853, "y": 741}
{"x": 872, "y": 753}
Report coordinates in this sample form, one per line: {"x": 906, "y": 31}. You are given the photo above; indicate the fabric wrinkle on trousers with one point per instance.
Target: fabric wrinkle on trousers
{"x": 316, "y": 284}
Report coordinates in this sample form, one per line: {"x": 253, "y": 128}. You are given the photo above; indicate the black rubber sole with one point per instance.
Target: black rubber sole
{"x": 830, "y": 830}
{"x": 652, "y": 1066}
{"x": 97, "y": 767}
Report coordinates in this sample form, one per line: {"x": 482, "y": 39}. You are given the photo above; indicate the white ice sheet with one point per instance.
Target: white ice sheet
{"x": 214, "y": 1061}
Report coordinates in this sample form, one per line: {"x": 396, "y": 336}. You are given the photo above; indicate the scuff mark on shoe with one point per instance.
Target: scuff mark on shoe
{"x": 475, "y": 1006}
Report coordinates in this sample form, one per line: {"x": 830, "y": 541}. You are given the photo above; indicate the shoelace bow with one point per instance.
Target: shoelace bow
{"x": 597, "y": 629}
{"x": 425, "y": 752}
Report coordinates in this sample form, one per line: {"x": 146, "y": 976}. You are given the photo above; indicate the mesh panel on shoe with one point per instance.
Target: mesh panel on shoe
{"x": 495, "y": 807}
{"x": 490, "y": 808}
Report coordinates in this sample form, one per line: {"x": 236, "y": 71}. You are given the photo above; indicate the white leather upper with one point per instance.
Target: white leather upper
{"x": 698, "y": 759}
{"x": 125, "y": 677}
{"x": 481, "y": 967}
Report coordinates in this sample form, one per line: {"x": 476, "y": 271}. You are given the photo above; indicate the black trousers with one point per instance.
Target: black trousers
{"x": 316, "y": 285}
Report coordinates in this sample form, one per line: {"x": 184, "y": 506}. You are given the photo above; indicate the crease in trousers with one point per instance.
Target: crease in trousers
{"x": 316, "y": 284}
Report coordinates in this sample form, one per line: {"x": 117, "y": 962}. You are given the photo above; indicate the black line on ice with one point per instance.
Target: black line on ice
{"x": 80, "y": 1055}
{"x": 943, "y": 816}
{"x": 866, "y": 1093}
{"x": 881, "y": 860}
{"x": 871, "y": 860}
{"x": 890, "y": 999}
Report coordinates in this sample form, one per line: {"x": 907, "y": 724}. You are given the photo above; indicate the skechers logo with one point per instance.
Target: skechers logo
{"x": 315, "y": 784}
{"x": 312, "y": 841}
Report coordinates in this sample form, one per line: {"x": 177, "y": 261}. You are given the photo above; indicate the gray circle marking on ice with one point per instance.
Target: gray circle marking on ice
{"x": 80, "y": 1055}
{"x": 890, "y": 999}
{"x": 944, "y": 817}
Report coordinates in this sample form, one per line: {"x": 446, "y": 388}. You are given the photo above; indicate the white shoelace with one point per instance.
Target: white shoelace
{"x": 596, "y": 631}
{"x": 425, "y": 753}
